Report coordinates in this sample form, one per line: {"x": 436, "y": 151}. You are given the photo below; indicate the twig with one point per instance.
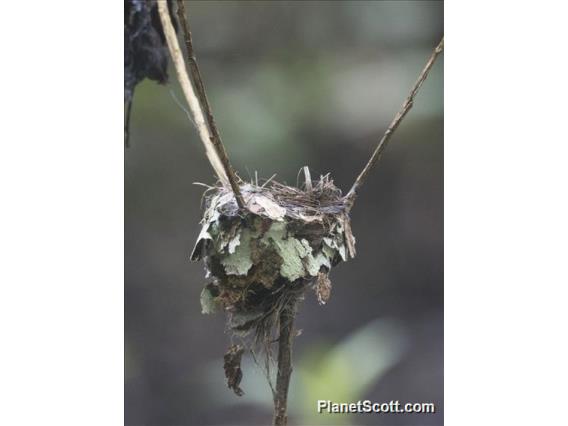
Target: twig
{"x": 200, "y": 87}
{"x": 285, "y": 339}
{"x": 189, "y": 93}
{"x": 352, "y": 194}
{"x": 127, "y": 123}
{"x": 268, "y": 180}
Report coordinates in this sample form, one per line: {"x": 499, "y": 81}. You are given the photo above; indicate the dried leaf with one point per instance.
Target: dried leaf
{"x": 232, "y": 367}
{"x": 200, "y": 244}
{"x": 309, "y": 219}
{"x": 323, "y": 288}
{"x": 261, "y": 205}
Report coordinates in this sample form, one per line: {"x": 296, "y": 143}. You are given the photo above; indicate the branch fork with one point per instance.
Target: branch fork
{"x": 214, "y": 149}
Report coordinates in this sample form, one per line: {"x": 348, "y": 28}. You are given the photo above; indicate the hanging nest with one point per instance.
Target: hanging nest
{"x": 262, "y": 257}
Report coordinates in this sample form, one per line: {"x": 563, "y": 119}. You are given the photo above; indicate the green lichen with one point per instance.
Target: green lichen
{"x": 315, "y": 263}
{"x": 258, "y": 253}
{"x": 209, "y": 304}
{"x": 243, "y": 248}
{"x": 239, "y": 262}
{"x": 291, "y": 250}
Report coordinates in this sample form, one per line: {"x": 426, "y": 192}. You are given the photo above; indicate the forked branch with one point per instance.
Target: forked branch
{"x": 352, "y": 194}
{"x": 200, "y": 87}
{"x": 215, "y": 156}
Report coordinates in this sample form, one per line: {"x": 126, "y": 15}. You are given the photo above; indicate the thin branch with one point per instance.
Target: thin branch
{"x": 200, "y": 87}
{"x": 189, "y": 93}
{"x": 127, "y": 122}
{"x": 285, "y": 339}
{"x": 352, "y": 194}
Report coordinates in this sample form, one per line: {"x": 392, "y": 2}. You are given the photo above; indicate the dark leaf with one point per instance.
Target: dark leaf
{"x": 232, "y": 367}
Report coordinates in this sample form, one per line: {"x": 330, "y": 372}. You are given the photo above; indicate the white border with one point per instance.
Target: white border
{"x": 506, "y": 210}
{"x": 61, "y": 177}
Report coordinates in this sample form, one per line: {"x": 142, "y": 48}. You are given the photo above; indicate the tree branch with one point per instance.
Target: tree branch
{"x": 127, "y": 122}
{"x": 200, "y": 87}
{"x": 352, "y": 194}
{"x": 285, "y": 340}
{"x": 192, "y": 100}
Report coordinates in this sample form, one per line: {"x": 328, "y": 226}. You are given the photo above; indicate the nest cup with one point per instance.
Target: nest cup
{"x": 264, "y": 256}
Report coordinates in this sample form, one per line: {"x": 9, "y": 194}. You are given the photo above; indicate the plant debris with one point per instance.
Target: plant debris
{"x": 260, "y": 258}
{"x": 323, "y": 288}
{"x": 232, "y": 366}
{"x": 145, "y": 50}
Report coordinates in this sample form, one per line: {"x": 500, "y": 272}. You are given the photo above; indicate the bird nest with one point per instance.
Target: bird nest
{"x": 268, "y": 253}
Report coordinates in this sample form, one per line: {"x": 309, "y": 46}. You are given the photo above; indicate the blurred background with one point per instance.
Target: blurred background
{"x": 293, "y": 84}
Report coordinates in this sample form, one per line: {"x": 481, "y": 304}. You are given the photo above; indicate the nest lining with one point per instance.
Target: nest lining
{"x": 262, "y": 257}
